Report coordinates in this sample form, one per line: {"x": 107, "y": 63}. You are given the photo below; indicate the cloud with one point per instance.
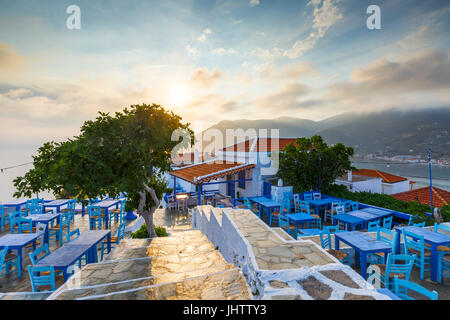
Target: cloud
{"x": 223, "y": 51}
{"x": 205, "y": 32}
{"x": 10, "y": 60}
{"x": 254, "y": 3}
{"x": 266, "y": 54}
{"x": 325, "y": 17}
{"x": 192, "y": 51}
{"x": 287, "y": 98}
{"x": 203, "y": 77}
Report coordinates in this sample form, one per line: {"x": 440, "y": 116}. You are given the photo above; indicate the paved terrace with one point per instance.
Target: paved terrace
{"x": 276, "y": 266}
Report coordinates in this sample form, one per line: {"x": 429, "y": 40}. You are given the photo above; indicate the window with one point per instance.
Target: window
{"x": 241, "y": 178}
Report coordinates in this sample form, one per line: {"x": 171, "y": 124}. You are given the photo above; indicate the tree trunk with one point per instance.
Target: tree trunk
{"x": 147, "y": 213}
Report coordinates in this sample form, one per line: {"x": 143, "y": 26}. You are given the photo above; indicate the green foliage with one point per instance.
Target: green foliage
{"x": 112, "y": 154}
{"x": 142, "y": 233}
{"x": 416, "y": 209}
{"x": 300, "y": 167}
{"x": 445, "y": 211}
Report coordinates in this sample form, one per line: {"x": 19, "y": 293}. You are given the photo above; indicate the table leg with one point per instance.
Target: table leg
{"x": 434, "y": 262}
{"x": 19, "y": 257}
{"x": 336, "y": 242}
{"x": 363, "y": 265}
{"x": 397, "y": 244}
{"x": 65, "y": 274}
{"x": 109, "y": 242}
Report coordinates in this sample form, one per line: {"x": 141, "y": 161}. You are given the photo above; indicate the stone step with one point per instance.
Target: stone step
{"x": 67, "y": 293}
{"x": 223, "y": 285}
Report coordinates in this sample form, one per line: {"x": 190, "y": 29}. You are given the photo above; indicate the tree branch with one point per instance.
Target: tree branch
{"x": 141, "y": 202}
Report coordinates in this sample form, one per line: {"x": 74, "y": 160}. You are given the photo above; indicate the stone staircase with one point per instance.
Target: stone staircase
{"x": 184, "y": 265}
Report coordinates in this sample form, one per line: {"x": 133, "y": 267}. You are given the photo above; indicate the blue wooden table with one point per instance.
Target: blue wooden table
{"x": 16, "y": 204}
{"x": 16, "y": 242}
{"x": 44, "y": 218}
{"x": 106, "y": 205}
{"x": 363, "y": 245}
{"x": 265, "y": 204}
{"x": 91, "y": 238}
{"x": 319, "y": 203}
{"x": 363, "y": 215}
{"x": 348, "y": 220}
{"x": 62, "y": 258}
{"x": 309, "y": 232}
{"x": 378, "y": 212}
{"x": 300, "y": 218}
{"x": 434, "y": 239}
{"x": 57, "y": 204}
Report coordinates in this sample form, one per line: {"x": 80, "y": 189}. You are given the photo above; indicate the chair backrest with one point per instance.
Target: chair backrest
{"x": 296, "y": 198}
{"x": 317, "y": 196}
{"x": 420, "y": 224}
{"x": 388, "y": 236}
{"x": 94, "y": 212}
{"x": 399, "y": 264}
{"x": 387, "y": 222}
{"x": 307, "y": 196}
{"x": 121, "y": 231}
{"x": 304, "y": 206}
{"x": 339, "y": 209}
{"x": 413, "y": 241}
{"x": 354, "y": 206}
{"x": 14, "y": 219}
{"x": 438, "y": 227}
{"x": 287, "y": 205}
{"x": 325, "y": 238}
{"x": 348, "y": 205}
{"x": 372, "y": 225}
{"x": 400, "y": 284}
{"x": 42, "y": 276}
{"x": 65, "y": 219}
{"x": 39, "y": 254}
{"x": 283, "y": 221}
{"x": 25, "y": 225}
{"x": 73, "y": 235}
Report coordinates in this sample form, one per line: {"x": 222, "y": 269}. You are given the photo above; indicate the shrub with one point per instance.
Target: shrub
{"x": 143, "y": 234}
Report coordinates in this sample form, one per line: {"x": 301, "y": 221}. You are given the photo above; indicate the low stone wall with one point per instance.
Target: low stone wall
{"x": 292, "y": 269}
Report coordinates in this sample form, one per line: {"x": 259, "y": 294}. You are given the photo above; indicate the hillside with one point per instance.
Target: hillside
{"x": 388, "y": 133}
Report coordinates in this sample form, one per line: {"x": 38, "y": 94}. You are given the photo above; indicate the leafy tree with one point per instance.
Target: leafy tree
{"x": 127, "y": 153}
{"x": 308, "y": 161}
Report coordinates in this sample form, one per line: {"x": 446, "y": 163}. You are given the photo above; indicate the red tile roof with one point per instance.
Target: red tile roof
{"x": 263, "y": 145}
{"x": 387, "y": 177}
{"x": 204, "y": 172}
{"x": 440, "y": 197}
{"x": 189, "y": 157}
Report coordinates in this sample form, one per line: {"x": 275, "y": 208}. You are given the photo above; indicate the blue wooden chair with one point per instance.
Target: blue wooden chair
{"x": 248, "y": 206}
{"x": 354, "y": 206}
{"x": 307, "y": 196}
{"x": 373, "y": 225}
{"x": 283, "y": 223}
{"x": 39, "y": 254}
{"x": 399, "y": 265}
{"x": 3, "y": 217}
{"x": 388, "y": 236}
{"x": 297, "y": 203}
{"x": 274, "y": 215}
{"x": 44, "y": 278}
{"x": 95, "y": 218}
{"x": 70, "y": 209}
{"x": 415, "y": 244}
{"x": 401, "y": 288}
{"x": 419, "y": 225}
{"x": 115, "y": 240}
{"x": 348, "y": 206}
{"x": 119, "y": 214}
{"x": 9, "y": 262}
{"x": 317, "y": 196}
{"x": 60, "y": 229}
{"x": 387, "y": 223}
{"x": 325, "y": 240}
{"x": 443, "y": 265}
{"x": 14, "y": 221}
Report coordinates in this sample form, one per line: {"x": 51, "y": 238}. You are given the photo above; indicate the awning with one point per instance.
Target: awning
{"x": 207, "y": 171}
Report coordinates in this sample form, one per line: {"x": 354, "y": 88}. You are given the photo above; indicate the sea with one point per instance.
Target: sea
{"x": 440, "y": 175}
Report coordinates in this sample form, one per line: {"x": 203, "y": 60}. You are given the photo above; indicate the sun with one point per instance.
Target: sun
{"x": 178, "y": 96}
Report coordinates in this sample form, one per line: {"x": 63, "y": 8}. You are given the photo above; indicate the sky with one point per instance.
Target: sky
{"x": 211, "y": 60}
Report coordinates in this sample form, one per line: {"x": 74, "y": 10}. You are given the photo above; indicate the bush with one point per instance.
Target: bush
{"x": 143, "y": 234}
{"x": 414, "y": 208}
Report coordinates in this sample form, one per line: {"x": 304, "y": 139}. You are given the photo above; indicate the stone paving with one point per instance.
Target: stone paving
{"x": 11, "y": 283}
{"x": 283, "y": 268}
{"x": 272, "y": 252}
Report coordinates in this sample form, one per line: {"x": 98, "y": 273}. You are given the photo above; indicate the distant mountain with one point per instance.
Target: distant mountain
{"x": 388, "y": 133}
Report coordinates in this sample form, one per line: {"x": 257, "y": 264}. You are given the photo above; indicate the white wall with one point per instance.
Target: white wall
{"x": 391, "y": 188}
{"x": 372, "y": 185}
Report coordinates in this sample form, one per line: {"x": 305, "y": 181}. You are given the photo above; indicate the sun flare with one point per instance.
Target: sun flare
{"x": 178, "y": 96}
